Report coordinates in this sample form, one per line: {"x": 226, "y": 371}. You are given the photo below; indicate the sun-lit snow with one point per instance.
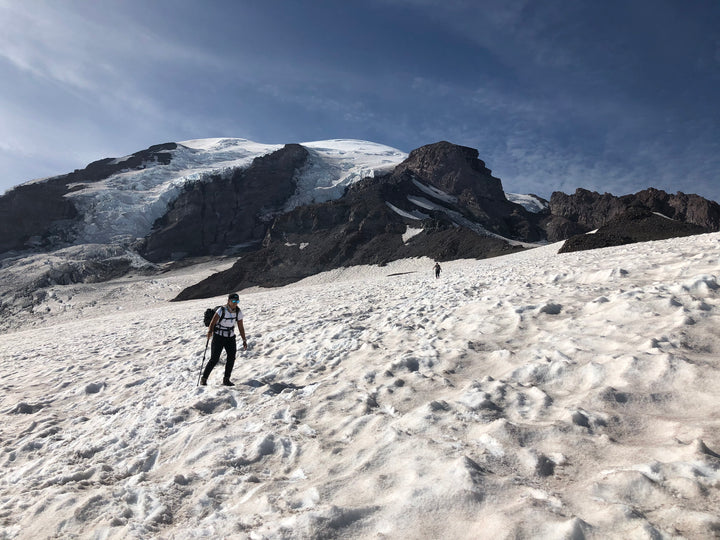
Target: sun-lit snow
{"x": 457, "y": 218}
{"x": 414, "y": 214}
{"x": 531, "y": 203}
{"x": 410, "y": 232}
{"x": 338, "y": 163}
{"x": 530, "y": 396}
{"x": 435, "y": 192}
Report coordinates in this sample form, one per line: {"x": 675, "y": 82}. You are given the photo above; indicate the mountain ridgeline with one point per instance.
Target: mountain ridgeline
{"x": 441, "y": 202}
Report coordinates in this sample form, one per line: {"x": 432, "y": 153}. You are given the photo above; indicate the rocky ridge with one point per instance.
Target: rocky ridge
{"x": 441, "y": 202}
{"x": 636, "y": 224}
{"x": 586, "y": 210}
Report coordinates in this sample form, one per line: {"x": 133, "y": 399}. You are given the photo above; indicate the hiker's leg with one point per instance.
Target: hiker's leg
{"x": 216, "y": 348}
{"x": 231, "y": 348}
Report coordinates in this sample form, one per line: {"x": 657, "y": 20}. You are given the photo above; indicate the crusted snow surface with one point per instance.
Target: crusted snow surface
{"x": 535, "y": 395}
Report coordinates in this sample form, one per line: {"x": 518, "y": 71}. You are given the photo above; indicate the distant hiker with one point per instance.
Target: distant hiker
{"x": 222, "y": 330}
{"x": 437, "y": 270}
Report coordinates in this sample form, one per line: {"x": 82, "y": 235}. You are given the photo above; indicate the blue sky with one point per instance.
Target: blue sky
{"x": 613, "y": 96}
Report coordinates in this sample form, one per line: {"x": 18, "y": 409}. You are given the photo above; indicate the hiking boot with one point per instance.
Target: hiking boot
{"x": 203, "y": 382}
{"x": 228, "y": 382}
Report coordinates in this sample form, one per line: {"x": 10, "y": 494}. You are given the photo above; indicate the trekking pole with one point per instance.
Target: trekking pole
{"x": 203, "y": 361}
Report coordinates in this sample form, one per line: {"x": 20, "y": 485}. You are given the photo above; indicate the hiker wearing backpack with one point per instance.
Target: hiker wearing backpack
{"x": 222, "y": 331}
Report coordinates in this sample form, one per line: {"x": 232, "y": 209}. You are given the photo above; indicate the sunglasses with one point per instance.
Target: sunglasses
{"x": 234, "y": 301}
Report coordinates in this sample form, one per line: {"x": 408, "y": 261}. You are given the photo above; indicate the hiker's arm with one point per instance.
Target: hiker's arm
{"x": 214, "y": 321}
{"x": 241, "y": 327}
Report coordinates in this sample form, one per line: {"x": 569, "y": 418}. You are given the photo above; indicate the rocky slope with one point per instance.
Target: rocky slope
{"x": 209, "y": 217}
{"x": 442, "y": 202}
{"x": 586, "y": 210}
{"x": 41, "y": 215}
{"x": 636, "y": 224}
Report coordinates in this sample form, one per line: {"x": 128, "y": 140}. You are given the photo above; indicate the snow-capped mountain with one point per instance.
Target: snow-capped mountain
{"x": 441, "y": 202}
{"x": 125, "y": 205}
{"x": 224, "y": 196}
{"x": 118, "y": 200}
{"x": 296, "y": 209}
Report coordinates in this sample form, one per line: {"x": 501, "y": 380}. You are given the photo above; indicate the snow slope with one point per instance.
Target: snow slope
{"x": 531, "y": 396}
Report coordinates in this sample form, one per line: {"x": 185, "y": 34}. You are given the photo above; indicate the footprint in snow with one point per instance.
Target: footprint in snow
{"x": 273, "y": 389}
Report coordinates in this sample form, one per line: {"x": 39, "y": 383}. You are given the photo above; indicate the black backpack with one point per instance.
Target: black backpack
{"x": 210, "y": 313}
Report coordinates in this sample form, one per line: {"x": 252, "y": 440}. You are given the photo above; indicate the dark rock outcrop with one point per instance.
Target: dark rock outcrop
{"x": 688, "y": 208}
{"x": 104, "y": 168}
{"x": 636, "y": 224}
{"x": 589, "y": 210}
{"x": 215, "y": 215}
{"x": 457, "y": 171}
{"x": 32, "y": 214}
{"x": 558, "y": 228}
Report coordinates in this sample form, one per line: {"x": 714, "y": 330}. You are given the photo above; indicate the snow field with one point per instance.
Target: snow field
{"x": 531, "y": 396}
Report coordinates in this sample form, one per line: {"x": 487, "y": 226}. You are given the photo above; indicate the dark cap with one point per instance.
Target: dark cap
{"x": 233, "y": 296}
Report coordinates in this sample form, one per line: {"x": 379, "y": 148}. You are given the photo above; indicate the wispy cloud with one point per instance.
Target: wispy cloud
{"x": 553, "y": 94}
{"x": 78, "y": 50}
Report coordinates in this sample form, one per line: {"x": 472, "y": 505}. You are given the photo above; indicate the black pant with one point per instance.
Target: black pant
{"x": 218, "y": 344}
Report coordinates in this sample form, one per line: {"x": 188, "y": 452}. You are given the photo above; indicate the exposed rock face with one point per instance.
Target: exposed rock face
{"x": 590, "y": 210}
{"x": 455, "y": 170}
{"x": 102, "y": 169}
{"x": 32, "y": 213}
{"x": 636, "y": 224}
{"x": 447, "y": 209}
{"x": 38, "y": 214}
{"x": 558, "y": 228}
{"x": 210, "y": 217}
{"x": 682, "y": 207}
